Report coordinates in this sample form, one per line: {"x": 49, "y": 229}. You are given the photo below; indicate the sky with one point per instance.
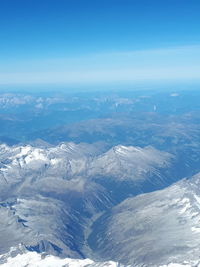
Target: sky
{"x": 95, "y": 41}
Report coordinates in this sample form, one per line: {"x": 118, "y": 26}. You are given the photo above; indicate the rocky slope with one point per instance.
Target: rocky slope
{"x": 152, "y": 229}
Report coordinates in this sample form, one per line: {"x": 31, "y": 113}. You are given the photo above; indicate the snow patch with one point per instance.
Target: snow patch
{"x": 195, "y": 229}
{"x": 187, "y": 205}
{"x": 33, "y": 259}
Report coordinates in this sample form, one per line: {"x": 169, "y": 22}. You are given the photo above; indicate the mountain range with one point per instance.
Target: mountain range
{"x": 116, "y": 187}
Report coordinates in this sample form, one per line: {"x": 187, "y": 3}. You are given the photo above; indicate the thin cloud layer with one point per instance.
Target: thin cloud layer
{"x": 177, "y": 63}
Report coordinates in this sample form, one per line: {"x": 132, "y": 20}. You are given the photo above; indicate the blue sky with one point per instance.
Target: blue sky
{"x": 82, "y": 41}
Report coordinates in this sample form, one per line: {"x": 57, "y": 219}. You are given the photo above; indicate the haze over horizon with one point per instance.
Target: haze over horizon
{"x": 94, "y": 42}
